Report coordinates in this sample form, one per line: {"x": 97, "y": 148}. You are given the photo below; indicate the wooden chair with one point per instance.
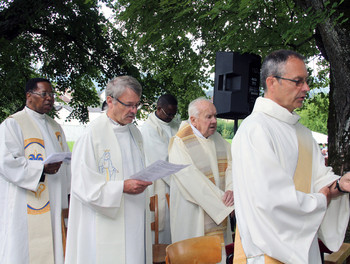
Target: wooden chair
{"x": 168, "y": 199}
{"x": 340, "y": 256}
{"x": 64, "y": 215}
{"x": 158, "y": 250}
{"x": 205, "y": 249}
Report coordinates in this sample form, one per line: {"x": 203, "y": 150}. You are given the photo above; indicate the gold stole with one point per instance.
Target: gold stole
{"x": 202, "y": 162}
{"x": 40, "y": 239}
{"x": 302, "y": 182}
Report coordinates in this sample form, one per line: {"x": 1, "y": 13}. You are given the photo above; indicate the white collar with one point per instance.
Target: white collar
{"x": 196, "y": 131}
{"x": 34, "y": 113}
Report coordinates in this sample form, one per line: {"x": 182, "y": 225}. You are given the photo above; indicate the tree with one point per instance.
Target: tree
{"x": 68, "y": 42}
{"x": 157, "y": 30}
{"x": 314, "y": 113}
{"x": 332, "y": 37}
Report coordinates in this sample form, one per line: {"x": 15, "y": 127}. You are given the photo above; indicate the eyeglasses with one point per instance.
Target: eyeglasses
{"x": 298, "y": 83}
{"x": 168, "y": 115}
{"x": 130, "y": 106}
{"x": 44, "y": 94}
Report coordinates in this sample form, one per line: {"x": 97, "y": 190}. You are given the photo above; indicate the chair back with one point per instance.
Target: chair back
{"x": 153, "y": 206}
{"x": 158, "y": 250}
{"x": 205, "y": 249}
{"x": 64, "y": 216}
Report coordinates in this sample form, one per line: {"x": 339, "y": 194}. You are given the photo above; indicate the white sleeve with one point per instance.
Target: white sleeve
{"x": 195, "y": 186}
{"x": 14, "y": 166}
{"x": 273, "y": 218}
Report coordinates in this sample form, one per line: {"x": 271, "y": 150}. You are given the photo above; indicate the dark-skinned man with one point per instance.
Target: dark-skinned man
{"x": 157, "y": 130}
{"x": 32, "y": 195}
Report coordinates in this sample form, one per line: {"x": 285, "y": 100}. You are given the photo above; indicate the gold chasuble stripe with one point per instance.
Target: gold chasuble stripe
{"x": 302, "y": 182}
{"x": 202, "y": 162}
{"x": 40, "y": 241}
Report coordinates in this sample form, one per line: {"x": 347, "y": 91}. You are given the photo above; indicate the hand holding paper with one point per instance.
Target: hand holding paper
{"x": 58, "y": 157}
{"x": 157, "y": 170}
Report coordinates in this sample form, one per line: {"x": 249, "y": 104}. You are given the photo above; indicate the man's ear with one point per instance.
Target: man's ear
{"x": 271, "y": 83}
{"x": 28, "y": 95}
{"x": 109, "y": 100}
{"x": 193, "y": 120}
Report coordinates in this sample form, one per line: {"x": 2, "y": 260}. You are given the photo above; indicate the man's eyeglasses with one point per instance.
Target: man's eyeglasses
{"x": 44, "y": 94}
{"x": 130, "y": 106}
{"x": 168, "y": 115}
{"x": 297, "y": 82}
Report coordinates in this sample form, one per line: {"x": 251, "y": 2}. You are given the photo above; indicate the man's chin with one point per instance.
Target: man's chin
{"x": 212, "y": 131}
{"x": 129, "y": 119}
{"x": 47, "y": 109}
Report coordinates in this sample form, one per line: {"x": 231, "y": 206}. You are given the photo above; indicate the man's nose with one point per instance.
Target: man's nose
{"x": 306, "y": 87}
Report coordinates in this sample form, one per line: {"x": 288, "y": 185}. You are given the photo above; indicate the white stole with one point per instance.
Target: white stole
{"x": 110, "y": 232}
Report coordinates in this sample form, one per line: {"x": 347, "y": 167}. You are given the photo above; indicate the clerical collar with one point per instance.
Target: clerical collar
{"x": 275, "y": 110}
{"x": 34, "y": 113}
{"x": 114, "y": 122}
{"x": 160, "y": 120}
{"x": 117, "y": 125}
{"x": 196, "y": 131}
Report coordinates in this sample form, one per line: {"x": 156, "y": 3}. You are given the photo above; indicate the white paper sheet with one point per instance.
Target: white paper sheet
{"x": 57, "y": 157}
{"x": 157, "y": 170}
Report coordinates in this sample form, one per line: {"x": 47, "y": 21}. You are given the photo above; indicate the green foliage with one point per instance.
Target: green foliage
{"x": 314, "y": 113}
{"x": 225, "y": 127}
{"x": 68, "y": 42}
{"x": 175, "y": 42}
{"x": 168, "y": 45}
{"x": 70, "y": 145}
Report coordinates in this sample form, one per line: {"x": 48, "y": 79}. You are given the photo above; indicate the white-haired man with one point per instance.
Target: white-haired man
{"x": 201, "y": 194}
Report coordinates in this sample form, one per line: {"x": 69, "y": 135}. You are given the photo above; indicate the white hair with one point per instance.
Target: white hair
{"x": 193, "y": 109}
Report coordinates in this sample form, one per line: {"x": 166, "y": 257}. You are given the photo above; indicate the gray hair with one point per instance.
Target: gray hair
{"x": 193, "y": 109}
{"x": 117, "y": 86}
{"x": 274, "y": 64}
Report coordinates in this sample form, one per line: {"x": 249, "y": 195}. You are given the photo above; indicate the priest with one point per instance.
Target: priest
{"x": 201, "y": 194}
{"x": 32, "y": 195}
{"x": 107, "y": 213}
{"x": 157, "y": 130}
{"x": 285, "y": 197}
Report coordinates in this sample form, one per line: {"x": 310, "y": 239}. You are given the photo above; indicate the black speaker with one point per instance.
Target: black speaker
{"x": 237, "y": 80}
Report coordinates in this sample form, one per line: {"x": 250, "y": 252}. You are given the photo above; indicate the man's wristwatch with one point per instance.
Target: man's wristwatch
{"x": 337, "y": 186}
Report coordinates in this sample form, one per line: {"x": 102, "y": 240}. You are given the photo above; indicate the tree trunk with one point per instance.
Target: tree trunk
{"x": 334, "y": 43}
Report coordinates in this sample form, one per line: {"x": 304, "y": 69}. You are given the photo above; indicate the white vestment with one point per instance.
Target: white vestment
{"x": 156, "y": 135}
{"x": 193, "y": 195}
{"x": 106, "y": 225}
{"x": 273, "y": 218}
{"x": 17, "y": 176}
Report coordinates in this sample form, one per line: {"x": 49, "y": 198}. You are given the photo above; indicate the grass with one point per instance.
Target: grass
{"x": 70, "y": 145}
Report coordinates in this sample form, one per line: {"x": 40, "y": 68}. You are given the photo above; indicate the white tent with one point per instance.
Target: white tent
{"x": 320, "y": 138}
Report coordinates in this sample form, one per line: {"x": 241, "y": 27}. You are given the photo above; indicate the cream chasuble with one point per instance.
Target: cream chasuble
{"x": 106, "y": 225}
{"x": 272, "y": 217}
{"x": 156, "y": 132}
{"x": 196, "y": 207}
